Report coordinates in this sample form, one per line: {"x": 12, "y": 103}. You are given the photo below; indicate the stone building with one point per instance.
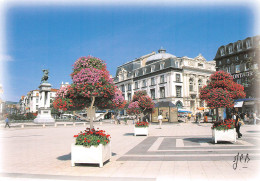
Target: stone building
{"x": 166, "y": 78}
{"x": 30, "y": 102}
{"x": 241, "y": 60}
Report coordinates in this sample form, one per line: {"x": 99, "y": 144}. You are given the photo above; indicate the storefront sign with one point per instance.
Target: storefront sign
{"x": 242, "y": 74}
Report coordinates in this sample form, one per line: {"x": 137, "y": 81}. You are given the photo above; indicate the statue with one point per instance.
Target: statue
{"x": 45, "y": 75}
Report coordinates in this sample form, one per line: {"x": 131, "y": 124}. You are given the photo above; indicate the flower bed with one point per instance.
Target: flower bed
{"x": 224, "y": 131}
{"x": 92, "y": 146}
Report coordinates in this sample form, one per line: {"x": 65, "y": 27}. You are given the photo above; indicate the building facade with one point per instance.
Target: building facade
{"x": 30, "y": 102}
{"x": 166, "y": 78}
{"x": 241, "y": 60}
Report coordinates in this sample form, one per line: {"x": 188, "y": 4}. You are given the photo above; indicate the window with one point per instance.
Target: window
{"x": 237, "y": 68}
{"x": 239, "y": 46}
{"x": 222, "y": 52}
{"x": 152, "y": 93}
{"x": 179, "y": 104}
{"x": 123, "y": 96}
{"x": 201, "y": 65}
{"x": 178, "y": 78}
{"x": 162, "y": 92}
{"x": 230, "y": 49}
{"x": 144, "y": 83}
{"x": 162, "y": 79}
{"x": 122, "y": 88}
{"x": 199, "y": 84}
{"x": 228, "y": 61}
{"x": 152, "y": 81}
{"x": 246, "y": 55}
{"x": 219, "y": 62}
{"x": 201, "y": 103}
{"x": 129, "y": 87}
{"x": 236, "y": 58}
{"x": 161, "y": 66}
{"x": 191, "y": 84}
{"x": 152, "y": 68}
{"x": 37, "y": 100}
{"x": 228, "y": 69}
{"x": 247, "y": 66}
{"x": 129, "y": 97}
{"x": 37, "y": 107}
{"x": 248, "y": 44}
{"x": 136, "y": 73}
{"x": 177, "y": 64}
{"x": 136, "y": 85}
{"x": 239, "y": 81}
{"x": 144, "y": 71}
{"x": 178, "y": 91}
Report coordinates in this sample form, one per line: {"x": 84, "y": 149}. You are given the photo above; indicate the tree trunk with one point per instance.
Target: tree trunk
{"x": 217, "y": 117}
{"x": 92, "y": 112}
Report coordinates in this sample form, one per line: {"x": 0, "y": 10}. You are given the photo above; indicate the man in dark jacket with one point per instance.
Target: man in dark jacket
{"x": 237, "y": 125}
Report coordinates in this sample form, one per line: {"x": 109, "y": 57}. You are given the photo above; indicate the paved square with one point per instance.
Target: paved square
{"x": 177, "y": 151}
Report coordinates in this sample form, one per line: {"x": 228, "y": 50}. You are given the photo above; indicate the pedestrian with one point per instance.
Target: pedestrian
{"x": 234, "y": 116}
{"x": 238, "y": 125}
{"x": 254, "y": 117}
{"x": 112, "y": 118}
{"x": 199, "y": 117}
{"x": 7, "y": 122}
{"x": 189, "y": 116}
{"x": 160, "y": 120}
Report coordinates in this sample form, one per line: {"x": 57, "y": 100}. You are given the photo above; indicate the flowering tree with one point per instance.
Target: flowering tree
{"x": 141, "y": 104}
{"x": 221, "y": 91}
{"x": 91, "y": 88}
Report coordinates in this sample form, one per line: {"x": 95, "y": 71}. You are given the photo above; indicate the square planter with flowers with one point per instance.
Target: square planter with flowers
{"x": 224, "y": 131}
{"x": 92, "y": 146}
{"x": 141, "y": 128}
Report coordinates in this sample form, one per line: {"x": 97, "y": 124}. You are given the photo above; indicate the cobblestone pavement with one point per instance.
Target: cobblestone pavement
{"x": 177, "y": 151}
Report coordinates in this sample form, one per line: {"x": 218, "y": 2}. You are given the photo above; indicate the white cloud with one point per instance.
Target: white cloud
{"x": 6, "y": 58}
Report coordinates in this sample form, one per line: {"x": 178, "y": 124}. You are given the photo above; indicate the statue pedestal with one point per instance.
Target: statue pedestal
{"x": 44, "y": 116}
{"x": 44, "y": 111}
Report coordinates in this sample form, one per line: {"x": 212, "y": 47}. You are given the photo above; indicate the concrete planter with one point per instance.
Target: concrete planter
{"x": 141, "y": 131}
{"x": 99, "y": 154}
{"x": 224, "y": 135}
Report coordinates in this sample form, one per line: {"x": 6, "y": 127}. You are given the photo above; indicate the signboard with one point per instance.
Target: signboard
{"x": 242, "y": 74}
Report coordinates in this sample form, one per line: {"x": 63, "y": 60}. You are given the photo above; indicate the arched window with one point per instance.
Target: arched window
{"x": 179, "y": 104}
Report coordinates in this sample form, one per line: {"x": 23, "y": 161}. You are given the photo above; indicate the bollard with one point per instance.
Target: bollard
{"x": 22, "y": 126}
{"x": 55, "y": 125}
{"x": 84, "y": 124}
{"x": 74, "y": 124}
{"x": 65, "y": 124}
{"x": 43, "y": 125}
{"x": 100, "y": 123}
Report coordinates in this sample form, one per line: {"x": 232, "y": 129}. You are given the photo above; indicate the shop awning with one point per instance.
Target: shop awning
{"x": 184, "y": 110}
{"x": 239, "y": 104}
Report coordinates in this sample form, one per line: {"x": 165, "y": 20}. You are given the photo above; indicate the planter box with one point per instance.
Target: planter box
{"x": 99, "y": 154}
{"x": 221, "y": 135}
{"x": 141, "y": 131}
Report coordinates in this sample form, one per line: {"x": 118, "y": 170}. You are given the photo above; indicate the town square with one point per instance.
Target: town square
{"x": 111, "y": 91}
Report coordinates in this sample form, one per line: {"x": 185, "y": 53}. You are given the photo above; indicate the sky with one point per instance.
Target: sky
{"x": 53, "y": 37}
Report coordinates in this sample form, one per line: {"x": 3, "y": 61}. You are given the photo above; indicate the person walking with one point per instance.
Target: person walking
{"x": 7, "y": 122}
{"x": 199, "y": 117}
{"x": 237, "y": 125}
{"x": 254, "y": 117}
{"x": 160, "y": 120}
{"x": 189, "y": 116}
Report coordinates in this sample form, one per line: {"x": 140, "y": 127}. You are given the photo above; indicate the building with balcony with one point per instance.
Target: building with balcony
{"x": 166, "y": 78}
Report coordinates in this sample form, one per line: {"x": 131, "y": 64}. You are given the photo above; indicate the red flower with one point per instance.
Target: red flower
{"x": 98, "y": 141}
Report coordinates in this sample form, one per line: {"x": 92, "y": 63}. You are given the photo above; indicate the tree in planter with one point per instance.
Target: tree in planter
{"x": 91, "y": 88}
{"x": 141, "y": 105}
{"x": 221, "y": 91}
